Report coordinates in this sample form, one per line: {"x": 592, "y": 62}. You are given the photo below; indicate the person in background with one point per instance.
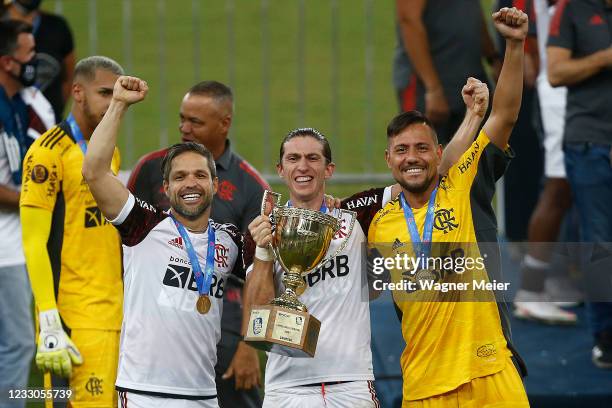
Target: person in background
{"x": 533, "y": 301}
{"x": 73, "y": 254}
{"x": 580, "y": 58}
{"x": 439, "y": 44}
{"x": 54, "y": 51}
{"x": 23, "y": 116}
{"x": 523, "y": 178}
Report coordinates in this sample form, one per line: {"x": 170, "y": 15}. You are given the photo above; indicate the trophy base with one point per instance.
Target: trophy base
{"x": 276, "y": 328}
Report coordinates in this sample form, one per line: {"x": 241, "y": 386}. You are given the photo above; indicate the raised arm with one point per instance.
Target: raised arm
{"x": 109, "y": 192}
{"x": 416, "y": 44}
{"x": 512, "y": 25}
{"x": 476, "y": 97}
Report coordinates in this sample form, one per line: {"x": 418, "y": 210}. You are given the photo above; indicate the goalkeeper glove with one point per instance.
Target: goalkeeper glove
{"x": 56, "y": 352}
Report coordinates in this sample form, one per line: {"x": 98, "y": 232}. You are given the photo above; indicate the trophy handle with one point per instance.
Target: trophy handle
{"x": 269, "y": 202}
{"x": 272, "y": 198}
{"x": 353, "y": 216}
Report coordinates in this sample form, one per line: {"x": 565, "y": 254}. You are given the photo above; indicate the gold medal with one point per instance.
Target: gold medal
{"x": 203, "y": 304}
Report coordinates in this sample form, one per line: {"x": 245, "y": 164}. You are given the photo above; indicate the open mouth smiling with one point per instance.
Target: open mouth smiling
{"x": 303, "y": 179}
{"x": 191, "y": 197}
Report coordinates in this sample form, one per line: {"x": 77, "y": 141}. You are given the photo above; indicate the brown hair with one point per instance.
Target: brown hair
{"x": 180, "y": 148}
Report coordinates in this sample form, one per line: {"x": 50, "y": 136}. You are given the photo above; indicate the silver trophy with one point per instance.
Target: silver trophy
{"x": 301, "y": 238}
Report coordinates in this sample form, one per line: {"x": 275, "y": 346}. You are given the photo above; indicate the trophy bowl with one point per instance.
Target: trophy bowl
{"x": 301, "y": 240}
{"x": 302, "y": 237}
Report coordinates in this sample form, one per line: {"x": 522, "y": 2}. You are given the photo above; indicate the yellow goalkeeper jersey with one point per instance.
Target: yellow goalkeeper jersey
{"x": 84, "y": 249}
{"x": 451, "y": 337}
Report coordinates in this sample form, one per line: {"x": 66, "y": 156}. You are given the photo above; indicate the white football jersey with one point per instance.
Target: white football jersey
{"x": 336, "y": 294}
{"x": 167, "y": 347}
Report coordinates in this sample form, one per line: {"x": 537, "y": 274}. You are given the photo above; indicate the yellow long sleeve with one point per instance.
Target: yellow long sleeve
{"x": 36, "y": 227}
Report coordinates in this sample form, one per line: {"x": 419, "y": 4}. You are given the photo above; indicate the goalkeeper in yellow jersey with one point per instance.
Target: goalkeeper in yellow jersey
{"x": 72, "y": 253}
{"x": 456, "y": 353}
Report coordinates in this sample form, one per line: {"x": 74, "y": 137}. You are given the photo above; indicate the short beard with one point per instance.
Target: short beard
{"x": 191, "y": 215}
{"x": 419, "y": 188}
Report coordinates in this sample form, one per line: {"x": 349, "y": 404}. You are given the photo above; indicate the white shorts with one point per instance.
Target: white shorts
{"x": 133, "y": 400}
{"x": 354, "y": 394}
{"x": 552, "y": 111}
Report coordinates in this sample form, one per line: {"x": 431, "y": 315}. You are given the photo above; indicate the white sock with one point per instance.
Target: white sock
{"x": 535, "y": 263}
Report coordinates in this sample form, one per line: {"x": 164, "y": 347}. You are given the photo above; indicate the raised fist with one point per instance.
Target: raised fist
{"x": 130, "y": 90}
{"x": 476, "y": 96}
{"x": 511, "y": 23}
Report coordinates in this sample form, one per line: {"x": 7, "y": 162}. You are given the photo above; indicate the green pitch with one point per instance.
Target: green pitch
{"x": 364, "y": 106}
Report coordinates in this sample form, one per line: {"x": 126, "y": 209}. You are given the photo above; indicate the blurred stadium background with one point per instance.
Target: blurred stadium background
{"x": 316, "y": 63}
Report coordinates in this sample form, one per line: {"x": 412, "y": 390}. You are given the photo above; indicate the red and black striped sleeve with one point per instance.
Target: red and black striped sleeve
{"x": 562, "y": 29}
{"x": 140, "y": 219}
{"x": 366, "y": 204}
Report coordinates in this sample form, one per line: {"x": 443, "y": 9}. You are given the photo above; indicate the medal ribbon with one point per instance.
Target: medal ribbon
{"x": 423, "y": 247}
{"x": 203, "y": 280}
{"x": 76, "y": 132}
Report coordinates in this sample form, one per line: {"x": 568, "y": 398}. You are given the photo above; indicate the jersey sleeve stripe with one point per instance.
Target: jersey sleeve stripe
{"x": 50, "y": 141}
{"x": 50, "y": 135}
{"x": 53, "y": 137}
{"x": 244, "y": 165}
{"x": 555, "y": 23}
{"x": 57, "y": 140}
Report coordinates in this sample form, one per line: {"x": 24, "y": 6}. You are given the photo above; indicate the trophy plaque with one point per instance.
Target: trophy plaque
{"x": 301, "y": 238}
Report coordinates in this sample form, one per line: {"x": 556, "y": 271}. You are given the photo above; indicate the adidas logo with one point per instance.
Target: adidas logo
{"x": 176, "y": 242}
{"x": 397, "y": 244}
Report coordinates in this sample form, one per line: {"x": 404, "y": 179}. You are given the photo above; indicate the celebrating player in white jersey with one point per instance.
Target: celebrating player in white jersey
{"x": 340, "y": 374}
{"x": 175, "y": 266}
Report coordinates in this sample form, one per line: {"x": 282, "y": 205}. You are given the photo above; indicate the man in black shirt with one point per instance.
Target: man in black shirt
{"x": 54, "y": 51}
{"x": 580, "y": 57}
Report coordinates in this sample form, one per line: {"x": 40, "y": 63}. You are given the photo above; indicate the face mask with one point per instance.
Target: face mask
{"x": 28, "y": 5}
{"x": 27, "y": 74}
